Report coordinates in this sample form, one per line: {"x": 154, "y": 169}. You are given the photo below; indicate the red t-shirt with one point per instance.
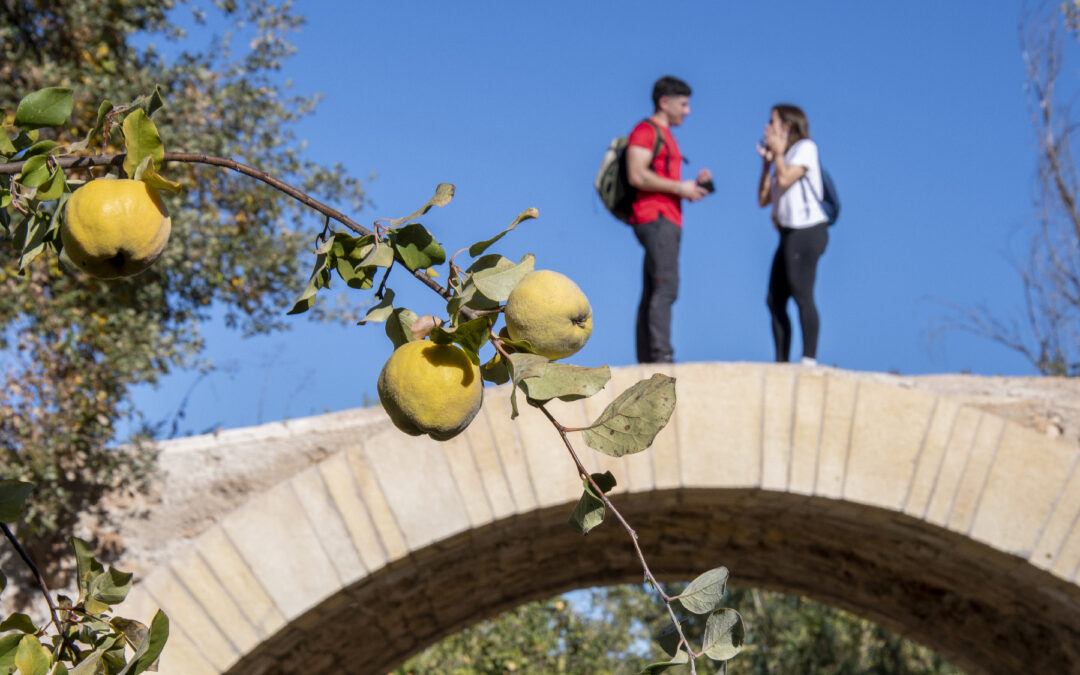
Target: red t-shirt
{"x": 668, "y": 164}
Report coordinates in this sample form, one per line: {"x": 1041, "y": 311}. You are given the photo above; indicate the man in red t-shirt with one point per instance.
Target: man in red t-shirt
{"x": 657, "y": 214}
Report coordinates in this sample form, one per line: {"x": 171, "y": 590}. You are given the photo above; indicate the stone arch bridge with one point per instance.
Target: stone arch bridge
{"x": 945, "y": 508}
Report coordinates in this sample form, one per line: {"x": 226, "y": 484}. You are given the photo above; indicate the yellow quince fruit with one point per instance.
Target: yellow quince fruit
{"x": 549, "y": 311}
{"x": 432, "y": 389}
{"x": 114, "y": 228}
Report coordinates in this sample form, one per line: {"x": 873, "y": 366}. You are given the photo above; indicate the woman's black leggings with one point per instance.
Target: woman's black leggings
{"x": 794, "y": 269}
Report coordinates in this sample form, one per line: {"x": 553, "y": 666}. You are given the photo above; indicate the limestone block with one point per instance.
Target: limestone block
{"x": 548, "y": 465}
{"x": 382, "y": 517}
{"x": 416, "y": 481}
{"x": 506, "y": 435}
{"x": 229, "y": 566}
{"x": 263, "y": 531}
{"x": 887, "y": 433}
{"x": 807, "y": 422}
{"x": 186, "y": 614}
{"x": 459, "y": 458}
{"x": 839, "y": 408}
{"x": 778, "y": 415}
{"x": 216, "y": 600}
{"x": 328, "y": 523}
{"x": 1025, "y": 482}
{"x": 976, "y": 473}
{"x": 341, "y": 485}
{"x": 489, "y": 465}
{"x": 957, "y": 451}
{"x": 1062, "y": 522}
{"x": 931, "y": 457}
{"x": 720, "y": 420}
{"x": 180, "y": 656}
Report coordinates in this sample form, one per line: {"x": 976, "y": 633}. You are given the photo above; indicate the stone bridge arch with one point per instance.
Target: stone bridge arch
{"x": 927, "y": 511}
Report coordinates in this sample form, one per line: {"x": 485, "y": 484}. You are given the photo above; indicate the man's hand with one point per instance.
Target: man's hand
{"x": 691, "y": 191}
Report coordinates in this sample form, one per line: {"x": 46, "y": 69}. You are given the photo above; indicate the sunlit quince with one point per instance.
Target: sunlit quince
{"x": 432, "y": 389}
{"x": 114, "y": 228}
{"x": 549, "y": 311}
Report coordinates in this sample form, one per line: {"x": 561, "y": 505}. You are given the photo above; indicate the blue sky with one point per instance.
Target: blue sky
{"x": 918, "y": 109}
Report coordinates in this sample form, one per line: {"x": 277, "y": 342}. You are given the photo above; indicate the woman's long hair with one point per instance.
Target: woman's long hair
{"x": 795, "y": 120}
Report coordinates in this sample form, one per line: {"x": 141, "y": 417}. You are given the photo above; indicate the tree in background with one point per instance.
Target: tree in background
{"x": 601, "y": 632}
{"x": 1048, "y": 335}
{"x": 72, "y": 348}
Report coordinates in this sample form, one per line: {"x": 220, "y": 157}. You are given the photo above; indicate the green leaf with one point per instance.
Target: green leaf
{"x": 9, "y": 646}
{"x": 704, "y": 593}
{"x": 31, "y": 658}
{"x": 496, "y": 283}
{"x": 381, "y": 311}
{"x": 630, "y": 423}
{"x": 52, "y": 188}
{"x": 39, "y": 148}
{"x": 398, "y": 325}
{"x": 724, "y": 634}
{"x": 19, "y": 622}
{"x": 668, "y": 639}
{"x": 59, "y": 669}
{"x": 481, "y": 246}
{"x": 589, "y": 511}
{"x": 33, "y": 233}
{"x": 24, "y": 139}
{"x": 680, "y": 658}
{"x": 147, "y": 653}
{"x": 495, "y": 370}
{"x": 320, "y": 278}
{"x": 522, "y": 366}
{"x": 471, "y": 335}
{"x": 149, "y": 175}
{"x": 99, "y": 124}
{"x": 415, "y": 248}
{"x": 6, "y": 146}
{"x": 87, "y": 568}
{"x": 34, "y": 172}
{"x": 13, "y": 494}
{"x": 91, "y": 664}
{"x": 444, "y": 192}
{"x": 49, "y": 107}
{"x": 133, "y": 631}
{"x": 377, "y": 255}
{"x": 141, "y": 140}
{"x": 112, "y": 587}
{"x": 565, "y": 382}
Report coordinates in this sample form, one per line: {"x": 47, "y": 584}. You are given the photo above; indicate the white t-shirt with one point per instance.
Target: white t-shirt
{"x": 799, "y": 206}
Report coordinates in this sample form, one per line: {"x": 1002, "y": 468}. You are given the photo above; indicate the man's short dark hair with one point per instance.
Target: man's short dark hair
{"x": 668, "y": 86}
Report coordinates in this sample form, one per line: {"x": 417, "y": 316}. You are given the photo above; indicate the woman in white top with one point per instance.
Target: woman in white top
{"x": 791, "y": 182}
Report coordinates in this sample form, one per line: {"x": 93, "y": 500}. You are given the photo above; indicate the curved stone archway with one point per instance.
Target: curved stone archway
{"x": 920, "y": 511}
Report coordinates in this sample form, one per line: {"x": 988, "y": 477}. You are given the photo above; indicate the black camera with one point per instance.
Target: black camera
{"x": 708, "y": 185}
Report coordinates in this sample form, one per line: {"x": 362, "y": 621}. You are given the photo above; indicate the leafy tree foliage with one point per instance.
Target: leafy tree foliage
{"x": 72, "y": 348}
{"x": 603, "y": 632}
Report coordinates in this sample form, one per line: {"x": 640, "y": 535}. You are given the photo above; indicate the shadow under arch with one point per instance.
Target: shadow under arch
{"x": 985, "y": 611}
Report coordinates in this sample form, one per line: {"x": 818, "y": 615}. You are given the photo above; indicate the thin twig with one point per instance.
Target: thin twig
{"x": 87, "y": 161}
{"x": 37, "y": 575}
{"x": 584, "y": 473}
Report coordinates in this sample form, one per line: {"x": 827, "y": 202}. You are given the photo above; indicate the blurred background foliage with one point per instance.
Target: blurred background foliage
{"x": 72, "y": 348}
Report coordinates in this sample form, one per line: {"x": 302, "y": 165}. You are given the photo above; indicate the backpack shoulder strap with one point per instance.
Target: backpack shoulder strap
{"x": 656, "y": 145}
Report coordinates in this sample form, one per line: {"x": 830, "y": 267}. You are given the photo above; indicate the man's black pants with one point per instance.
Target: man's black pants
{"x": 659, "y": 289}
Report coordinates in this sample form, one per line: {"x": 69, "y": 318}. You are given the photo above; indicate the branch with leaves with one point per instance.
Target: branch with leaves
{"x": 477, "y": 294}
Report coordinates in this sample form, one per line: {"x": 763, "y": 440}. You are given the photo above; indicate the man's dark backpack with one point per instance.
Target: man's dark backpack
{"x": 612, "y": 183}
